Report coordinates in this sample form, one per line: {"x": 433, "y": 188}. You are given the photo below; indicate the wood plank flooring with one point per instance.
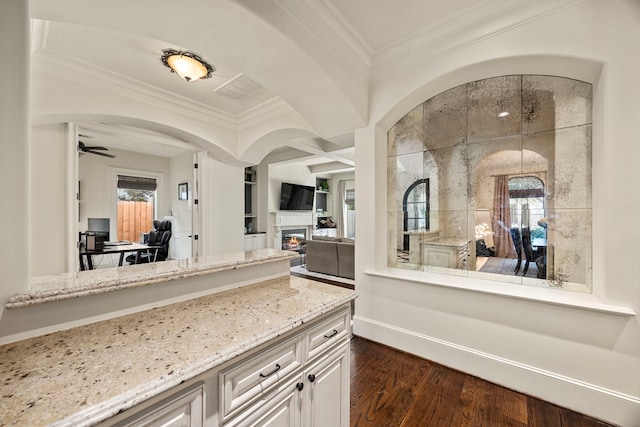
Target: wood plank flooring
{"x": 391, "y": 388}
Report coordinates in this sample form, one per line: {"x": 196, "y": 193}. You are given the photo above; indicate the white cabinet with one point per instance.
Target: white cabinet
{"x": 303, "y": 381}
{"x": 253, "y": 242}
{"x": 280, "y": 410}
{"x": 326, "y": 390}
{"x": 446, "y": 252}
{"x": 184, "y": 409}
{"x": 299, "y": 379}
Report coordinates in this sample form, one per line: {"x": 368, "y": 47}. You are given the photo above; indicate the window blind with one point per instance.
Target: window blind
{"x": 136, "y": 183}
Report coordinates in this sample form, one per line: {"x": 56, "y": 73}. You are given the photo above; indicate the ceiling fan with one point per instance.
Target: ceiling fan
{"x": 94, "y": 150}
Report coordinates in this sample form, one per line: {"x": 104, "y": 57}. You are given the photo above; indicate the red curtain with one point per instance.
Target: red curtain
{"x": 502, "y": 219}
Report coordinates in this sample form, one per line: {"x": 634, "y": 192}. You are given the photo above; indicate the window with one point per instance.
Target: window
{"x": 526, "y": 203}
{"x": 350, "y": 211}
{"x": 136, "y": 201}
{"x": 415, "y": 208}
{"x": 473, "y": 169}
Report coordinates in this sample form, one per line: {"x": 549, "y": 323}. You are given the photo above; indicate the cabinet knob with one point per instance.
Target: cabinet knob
{"x": 312, "y": 377}
{"x": 300, "y": 386}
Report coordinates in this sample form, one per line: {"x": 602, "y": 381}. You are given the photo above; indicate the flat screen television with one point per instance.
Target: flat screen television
{"x": 296, "y": 197}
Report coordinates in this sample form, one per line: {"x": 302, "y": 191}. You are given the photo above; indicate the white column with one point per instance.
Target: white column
{"x": 15, "y": 264}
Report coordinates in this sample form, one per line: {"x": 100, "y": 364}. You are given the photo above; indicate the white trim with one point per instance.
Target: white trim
{"x": 577, "y": 395}
{"x": 72, "y": 183}
{"x": 572, "y": 299}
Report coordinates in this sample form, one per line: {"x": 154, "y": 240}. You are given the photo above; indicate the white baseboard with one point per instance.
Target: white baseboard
{"x": 589, "y": 399}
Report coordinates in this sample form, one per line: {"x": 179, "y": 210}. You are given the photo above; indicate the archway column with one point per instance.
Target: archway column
{"x": 14, "y": 148}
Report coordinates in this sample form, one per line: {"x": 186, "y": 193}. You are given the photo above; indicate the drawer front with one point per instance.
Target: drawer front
{"x": 327, "y": 333}
{"x": 246, "y": 380}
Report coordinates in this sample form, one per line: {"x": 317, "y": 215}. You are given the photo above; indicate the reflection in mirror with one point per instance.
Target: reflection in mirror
{"x": 492, "y": 179}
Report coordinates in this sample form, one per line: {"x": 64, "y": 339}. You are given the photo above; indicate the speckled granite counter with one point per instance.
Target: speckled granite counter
{"x": 72, "y": 285}
{"x": 87, "y": 374}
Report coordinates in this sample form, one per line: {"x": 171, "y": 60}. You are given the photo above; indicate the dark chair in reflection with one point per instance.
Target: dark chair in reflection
{"x": 531, "y": 255}
{"x": 158, "y": 244}
{"x": 517, "y": 245}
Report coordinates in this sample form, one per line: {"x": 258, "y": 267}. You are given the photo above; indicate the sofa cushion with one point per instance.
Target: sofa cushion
{"x": 322, "y": 257}
{"x": 326, "y": 238}
{"x": 346, "y": 260}
{"x": 347, "y": 240}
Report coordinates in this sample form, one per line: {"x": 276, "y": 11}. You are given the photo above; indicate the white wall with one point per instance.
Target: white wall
{"x": 224, "y": 208}
{"x": 294, "y": 173}
{"x": 585, "y": 359}
{"x": 48, "y": 200}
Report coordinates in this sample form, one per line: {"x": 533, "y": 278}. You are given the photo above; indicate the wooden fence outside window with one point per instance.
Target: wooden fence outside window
{"x": 134, "y": 218}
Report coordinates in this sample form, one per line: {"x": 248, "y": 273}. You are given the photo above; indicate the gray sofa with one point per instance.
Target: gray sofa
{"x": 331, "y": 255}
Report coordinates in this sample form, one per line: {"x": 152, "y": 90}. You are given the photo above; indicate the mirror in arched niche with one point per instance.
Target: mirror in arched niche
{"x": 507, "y": 161}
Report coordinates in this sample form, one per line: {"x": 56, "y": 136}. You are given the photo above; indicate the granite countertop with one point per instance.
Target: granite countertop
{"x": 87, "y": 374}
{"x": 72, "y": 285}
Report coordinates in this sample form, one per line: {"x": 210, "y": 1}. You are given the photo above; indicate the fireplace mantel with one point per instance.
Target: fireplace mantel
{"x": 287, "y": 220}
{"x": 291, "y": 218}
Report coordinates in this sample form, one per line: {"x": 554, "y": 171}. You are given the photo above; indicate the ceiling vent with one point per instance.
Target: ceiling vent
{"x": 238, "y": 87}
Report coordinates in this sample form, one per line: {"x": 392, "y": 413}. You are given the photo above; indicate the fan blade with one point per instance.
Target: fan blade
{"x": 100, "y": 154}
{"x": 96, "y": 148}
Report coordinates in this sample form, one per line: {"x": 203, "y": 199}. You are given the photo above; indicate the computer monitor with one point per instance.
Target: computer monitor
{"x": 99, "y": 226}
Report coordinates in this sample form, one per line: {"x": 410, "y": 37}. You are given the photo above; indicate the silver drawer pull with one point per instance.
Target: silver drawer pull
{"x": 332, "y": 334}
{"x": 271, "y": 373}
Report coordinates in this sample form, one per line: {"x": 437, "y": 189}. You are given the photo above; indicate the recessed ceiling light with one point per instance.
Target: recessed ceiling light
{"x": 503, "y": 114}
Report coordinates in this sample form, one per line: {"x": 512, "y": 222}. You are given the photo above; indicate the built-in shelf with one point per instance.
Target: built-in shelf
{"x": 323, "y": 201}
{"x": 250, "y": 200}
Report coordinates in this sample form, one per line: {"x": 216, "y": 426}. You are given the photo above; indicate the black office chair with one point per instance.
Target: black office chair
{"x": 158, "y": 242}
{"x": 517, "y": 245}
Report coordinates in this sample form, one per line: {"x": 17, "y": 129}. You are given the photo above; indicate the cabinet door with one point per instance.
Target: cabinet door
{"x": 182, "y": 410}
{"x": 278, "y": 409}
{"x": 247, "y": 381}
{"x": 326, "y": 388}
{"x": 253, "y": 242}
{"x": 258, "y": 242}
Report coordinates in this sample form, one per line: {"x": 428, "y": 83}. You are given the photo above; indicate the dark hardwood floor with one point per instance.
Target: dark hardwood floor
{"x": 391, "y": 388}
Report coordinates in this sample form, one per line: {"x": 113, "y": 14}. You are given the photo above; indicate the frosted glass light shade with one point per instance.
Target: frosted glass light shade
{"x": 187, "y": 65}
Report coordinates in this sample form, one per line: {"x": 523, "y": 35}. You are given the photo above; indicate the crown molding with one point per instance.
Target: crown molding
{"x": 329, "y": 29}
{"x": 79, "y": 72}
{"x": 268, "y": 110}
{"x": 483, "y": 21}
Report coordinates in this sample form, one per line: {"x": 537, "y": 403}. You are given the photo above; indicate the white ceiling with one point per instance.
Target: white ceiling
{"x": 356, "y": 31}
{"x": 382, "y": 23}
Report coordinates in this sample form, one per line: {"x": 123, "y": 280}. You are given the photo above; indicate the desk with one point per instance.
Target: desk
{"x": 118, "y": 249}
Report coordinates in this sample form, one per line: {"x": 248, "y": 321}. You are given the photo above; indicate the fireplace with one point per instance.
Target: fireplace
{"x": 293, "y": 239}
